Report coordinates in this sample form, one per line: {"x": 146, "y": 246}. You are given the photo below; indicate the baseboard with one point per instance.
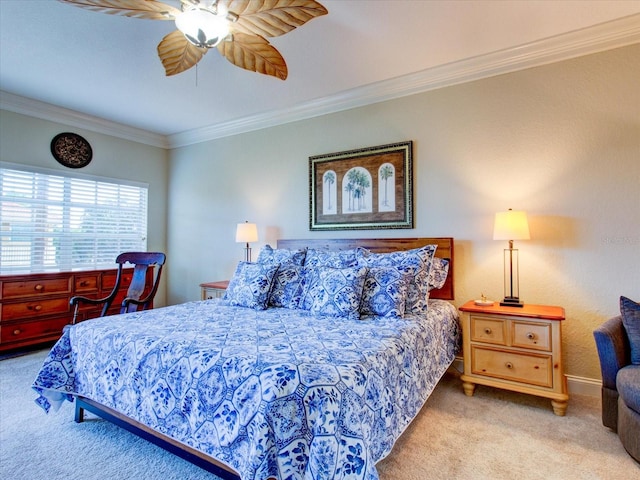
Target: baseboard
{"x": 458, "y": 364}
{"x": 583, "y": 386}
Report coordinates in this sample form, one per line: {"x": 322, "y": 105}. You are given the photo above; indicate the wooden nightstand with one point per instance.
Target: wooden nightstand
{"x": 213, "y": 289}
{"x": 515, "y": 348}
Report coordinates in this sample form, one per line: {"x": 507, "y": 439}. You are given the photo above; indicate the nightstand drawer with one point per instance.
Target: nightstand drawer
{"x": 488, "y": 330}
{"x": 531, "y": 335}
{"x": 519, "y": 367}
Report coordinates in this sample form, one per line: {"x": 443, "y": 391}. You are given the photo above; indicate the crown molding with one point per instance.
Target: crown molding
{"x": 53, "y": 113}
{"x": 598, "y": 38}
{"x": 605, "y": 36}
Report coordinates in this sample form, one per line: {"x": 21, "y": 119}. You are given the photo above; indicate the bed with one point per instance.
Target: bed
{"x": 280, "y": 379}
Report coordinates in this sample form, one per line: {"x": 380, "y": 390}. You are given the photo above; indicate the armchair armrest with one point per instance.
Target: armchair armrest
{"x": 613, "y": 349}
{"x": 73, "y": 301}
{"x": 76, "y": 300}
{"x": 127, "y": 301}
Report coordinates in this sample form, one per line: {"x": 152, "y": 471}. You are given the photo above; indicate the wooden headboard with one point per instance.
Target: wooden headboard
{"x": 382, "y": 245}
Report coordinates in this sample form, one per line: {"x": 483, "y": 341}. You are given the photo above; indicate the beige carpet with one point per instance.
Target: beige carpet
{"x": 493, "y": 435}
{"x": 504, "y": 435}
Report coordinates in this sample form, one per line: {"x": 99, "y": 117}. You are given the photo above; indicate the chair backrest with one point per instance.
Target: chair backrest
{"x": 141, "y": 261}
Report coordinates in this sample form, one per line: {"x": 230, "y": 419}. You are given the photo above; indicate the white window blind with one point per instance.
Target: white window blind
{"x": 50, "y": 222}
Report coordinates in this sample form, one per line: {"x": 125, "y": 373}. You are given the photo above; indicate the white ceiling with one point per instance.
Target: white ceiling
{"x": 106, "y": 66}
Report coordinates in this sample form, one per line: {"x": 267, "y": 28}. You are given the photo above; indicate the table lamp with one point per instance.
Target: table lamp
{"x": 511, "y": 225}
{"x": 245, "y": 233}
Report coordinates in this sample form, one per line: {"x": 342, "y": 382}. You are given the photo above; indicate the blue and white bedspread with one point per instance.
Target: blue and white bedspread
{"x": 274, "y": 393}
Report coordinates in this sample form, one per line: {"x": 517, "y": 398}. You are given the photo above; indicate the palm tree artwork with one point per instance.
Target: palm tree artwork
{"x": 329, "y": 179}
{"x": 386, "y": 172}
{"x": 356, "y": 183}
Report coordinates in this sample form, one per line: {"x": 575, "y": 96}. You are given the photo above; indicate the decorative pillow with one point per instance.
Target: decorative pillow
{"x": 250, "y": 285}
{"x": 327, "y": 258}
{"x": 384, "y": 293}
{"x": 438, "y": 273}
{"x": 630, "y": 312}
{"x": 334, "y": 292}
{"x": 281, "y": 255}
{"x": 286, "y": 290}
{"x": 415, "y": 263}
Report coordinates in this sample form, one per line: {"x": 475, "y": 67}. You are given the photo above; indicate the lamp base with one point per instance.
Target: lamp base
{"x": 511, "y": 302}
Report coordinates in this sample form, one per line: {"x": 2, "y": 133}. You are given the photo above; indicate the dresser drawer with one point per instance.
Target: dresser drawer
{"x": 35, "y": 308}
{"x": 23, "y": 288}
{"x": 535, "y": 336}
{"x": 109, "y": 280}
{"x": 488, "y": 330}
{"x": 86, "y": 283}
{"x": 18, "y": 332}
{"x": 534, "y": 369}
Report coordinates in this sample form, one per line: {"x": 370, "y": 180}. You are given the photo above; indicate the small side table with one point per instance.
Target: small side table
{"x": 213, "y": 289}
{"x": 515, "y": 348}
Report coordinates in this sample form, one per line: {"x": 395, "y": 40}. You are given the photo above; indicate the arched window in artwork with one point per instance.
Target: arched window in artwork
{"x": 357, "y": 196}
{"x": 329, "y": 193}
{"x": 386, "y": 190}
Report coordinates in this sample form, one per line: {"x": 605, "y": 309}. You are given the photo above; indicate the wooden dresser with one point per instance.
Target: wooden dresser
{"x": 517, "y": 349}
{"x": 34, "y": 308}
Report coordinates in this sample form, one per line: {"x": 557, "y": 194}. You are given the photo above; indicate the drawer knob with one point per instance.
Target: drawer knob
{"x": 531, "y": 336}
{"x": 487, "y": 331}
{"x": 84, "y": 283}
{"x": 38, "y": 288}
{"x": 17, "y": 331}
{"x": 509, "y": 365}
{"x": 37, "y": 308}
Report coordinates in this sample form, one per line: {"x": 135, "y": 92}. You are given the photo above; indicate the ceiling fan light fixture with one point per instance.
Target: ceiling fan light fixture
{"x": 202, "y": 26}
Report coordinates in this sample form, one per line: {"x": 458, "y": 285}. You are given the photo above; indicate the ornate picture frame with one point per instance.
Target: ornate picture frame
{"x": 365, "y": 189}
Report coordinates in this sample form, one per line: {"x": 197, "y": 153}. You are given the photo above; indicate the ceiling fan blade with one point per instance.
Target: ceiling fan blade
{"x": 178, "y": 54}
{"x": 149, "y": 9}
{"x": 272, "y": 18}
{"x": 255, "y": 53}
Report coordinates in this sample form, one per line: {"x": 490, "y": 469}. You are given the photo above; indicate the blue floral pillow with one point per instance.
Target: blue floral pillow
{"x": 334, "y": 292}
{"x": 438, "y": 273}
{"x": 416, "y": 264}
{"x": 630, "y": 312}
{"x": 250, "y": 285}
{"x": 327, "y": 258}
{"x": 286, "y": 290}
{"x": 384, "y": 293}
{"x": 281, "y": 255}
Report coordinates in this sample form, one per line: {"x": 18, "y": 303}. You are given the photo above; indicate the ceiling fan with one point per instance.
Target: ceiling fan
{"x": 237, "y": 28}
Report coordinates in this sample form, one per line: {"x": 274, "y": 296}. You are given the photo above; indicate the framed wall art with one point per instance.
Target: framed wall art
{"x": 365, "y": 189}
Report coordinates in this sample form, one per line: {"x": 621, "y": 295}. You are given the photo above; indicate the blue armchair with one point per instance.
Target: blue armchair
{"x": 620, "y": 384}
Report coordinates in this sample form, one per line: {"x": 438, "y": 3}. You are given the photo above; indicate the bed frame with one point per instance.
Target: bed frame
{"x": 210, "y": 464}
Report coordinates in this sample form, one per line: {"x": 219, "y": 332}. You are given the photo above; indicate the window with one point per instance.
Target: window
{"x": 51, "y": 222}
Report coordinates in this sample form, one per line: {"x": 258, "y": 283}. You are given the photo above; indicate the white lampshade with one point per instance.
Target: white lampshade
{"x": 246, "y": 233}
{"x": 511, "y": 225}
{"x": 202, "y": 26}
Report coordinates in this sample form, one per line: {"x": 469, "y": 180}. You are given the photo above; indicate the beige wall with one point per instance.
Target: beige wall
{"x": 561, "y": 142}
{"x": 26, "y": 140}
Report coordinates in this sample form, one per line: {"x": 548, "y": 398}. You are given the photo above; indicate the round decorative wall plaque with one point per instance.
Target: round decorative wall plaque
{"x": 71, "y": 150}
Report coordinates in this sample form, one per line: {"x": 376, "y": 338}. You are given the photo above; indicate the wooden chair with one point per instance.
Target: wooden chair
{"x": 142, "y": 261}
